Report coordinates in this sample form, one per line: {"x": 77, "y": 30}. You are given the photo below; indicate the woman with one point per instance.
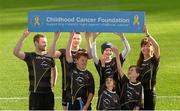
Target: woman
{"x": 148, "y": 63}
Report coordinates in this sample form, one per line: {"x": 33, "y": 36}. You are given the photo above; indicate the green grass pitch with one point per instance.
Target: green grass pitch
{"x": 162, "y": 19}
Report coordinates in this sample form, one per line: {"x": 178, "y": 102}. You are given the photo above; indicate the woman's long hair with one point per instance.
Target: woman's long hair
{"x": 144, "y": 41}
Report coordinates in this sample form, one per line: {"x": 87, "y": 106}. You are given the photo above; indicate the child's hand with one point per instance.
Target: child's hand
{"x": 115, "y": 50}
{"x": 72, "y": 34}
{"x": 87, "y": 35}
{"x": 95, "y": 34}
{"x": 119, "y": 34}
{"x": 57, "y": 34}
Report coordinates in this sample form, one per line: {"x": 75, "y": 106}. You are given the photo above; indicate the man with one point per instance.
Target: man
{"x": 42, "y": 72}
{"x": 61, "y": 54}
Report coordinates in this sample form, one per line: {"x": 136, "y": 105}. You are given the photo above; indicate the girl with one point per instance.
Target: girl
{"x": 109, "y": 100}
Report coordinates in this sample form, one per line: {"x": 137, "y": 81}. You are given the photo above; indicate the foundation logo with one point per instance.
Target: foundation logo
{"x": 136, "y": 20}
{"x": 37, "y": 21}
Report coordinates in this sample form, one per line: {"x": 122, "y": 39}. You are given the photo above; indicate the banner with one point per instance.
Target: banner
{"x": 85, "y": 21}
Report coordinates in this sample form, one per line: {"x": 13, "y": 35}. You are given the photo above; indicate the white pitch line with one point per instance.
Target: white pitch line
{"x": 25, "y": 98}
{"x": 171, "y": 97}
{"x": 21, "y": 98}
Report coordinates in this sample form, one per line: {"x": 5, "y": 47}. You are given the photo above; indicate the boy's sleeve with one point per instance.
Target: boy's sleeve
{"x": 124, "y": 79}
{"x": 92, "y": 86}
{"x": 63, "y": 52}
{"x": 121, "y": 59}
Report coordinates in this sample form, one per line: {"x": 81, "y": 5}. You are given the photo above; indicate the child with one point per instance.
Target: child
{"x": 109, "y": 100}
{"x": 106, "y": 62}
{"x": 132, "y": 91}
{"x": 80, "y": 82}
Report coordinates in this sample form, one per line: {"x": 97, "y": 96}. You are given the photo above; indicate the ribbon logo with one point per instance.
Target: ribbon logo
{"x": 136, "y": 20}
{"x": 36, "y": 21}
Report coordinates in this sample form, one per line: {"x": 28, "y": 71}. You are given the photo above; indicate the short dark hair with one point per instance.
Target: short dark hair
{"x": 136, "y": 67}
{"x": 77, "y": 33}
{"x": 37, "y": 36}
{"x": 81, "y": 53}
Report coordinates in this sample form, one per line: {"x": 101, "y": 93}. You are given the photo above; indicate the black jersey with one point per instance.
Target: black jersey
{"x": 109, "y": 67}
{"x": 108, "y": 101}
{"x": 132, "y": 94}
{"x": 39, "y": 67}
{"x": 80, "y": 84}
{"x": 65, "y": 65}
{"x": 148, "y": 72}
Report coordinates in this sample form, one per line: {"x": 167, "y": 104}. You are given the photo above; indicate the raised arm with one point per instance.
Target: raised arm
{"x": 127, "y": 48}
{"x": 52, "y": 51}
{"x": 94, "y": 53}
{"x": 54, "y": 74}
{"x": 68, "y": 48}
{"x": 153, "y": 41}
{"x": 17, "y": 50}
{"x": 88, "y": 44}
{"x": 118, "y": 61}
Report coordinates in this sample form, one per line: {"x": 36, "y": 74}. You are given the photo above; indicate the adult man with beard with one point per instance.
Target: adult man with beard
{"x": 42, "y": 72}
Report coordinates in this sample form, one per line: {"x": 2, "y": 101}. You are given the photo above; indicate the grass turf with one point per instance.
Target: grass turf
{"x": 162, "y": 19}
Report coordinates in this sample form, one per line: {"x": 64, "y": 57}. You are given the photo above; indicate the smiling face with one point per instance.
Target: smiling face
{"x": 133, "y": 72}
{"x": 107, "y": 53}
{"x": 76, "y": 40}
{"x": 40, "y": 42}
{"x": 146, "y": 47}
{"x": 81, "y": 62}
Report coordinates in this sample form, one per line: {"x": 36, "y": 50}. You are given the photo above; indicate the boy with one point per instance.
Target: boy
{"x": 132, "y": 95}
{"x": 76, "y": 40}
{"x": 80, "y": 84}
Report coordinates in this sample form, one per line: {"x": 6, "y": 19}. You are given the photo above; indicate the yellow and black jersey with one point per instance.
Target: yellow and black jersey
{"x": 148, "y": 72}
{"x": 132, "y": 94}
{"x": 79, "y": 84}
{"x": 109, "y": 69}
{"x": 39, "y": 67}
{"x": 108, "y": 100}
{"x": 65, "y": 65}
